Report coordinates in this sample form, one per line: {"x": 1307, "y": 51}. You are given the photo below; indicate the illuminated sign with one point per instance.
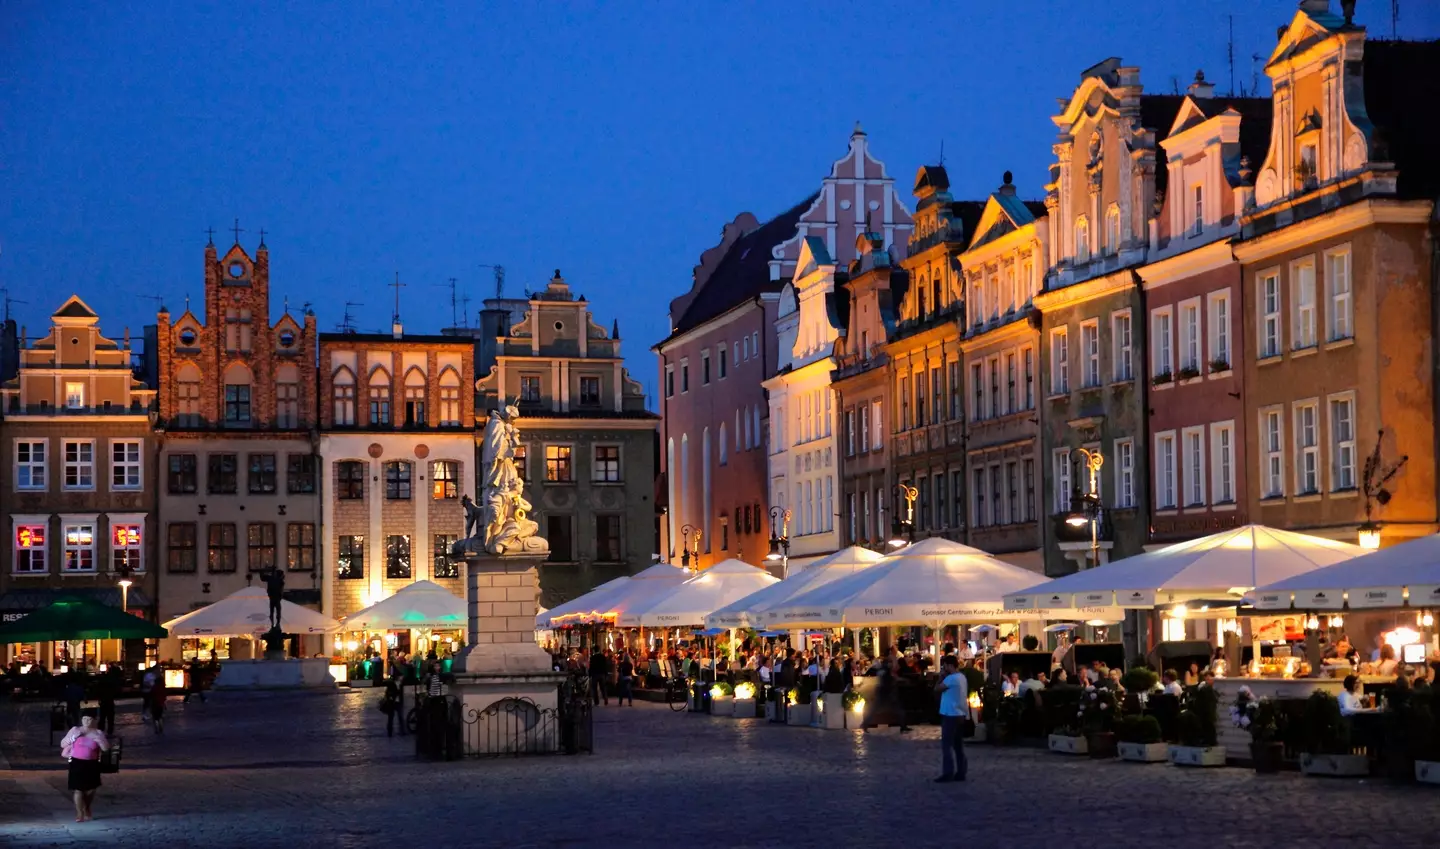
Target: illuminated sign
{"x": 79, "y": 536}
{"x": 30, "y": 536}
{"x": 127, "y": 536}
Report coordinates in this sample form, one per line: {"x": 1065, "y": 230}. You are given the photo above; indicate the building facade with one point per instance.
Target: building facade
{"x": 1197, "y": 424}
{"x": 1000, "y": 367}
{"x": 587, "y": 438}
{"x": 76, "y": 479}
{"x": 238, "y": 483}
{"x": 1338, "y": 274}
{"x": 1099, "y": 202}
{"x": 397, "y": 451}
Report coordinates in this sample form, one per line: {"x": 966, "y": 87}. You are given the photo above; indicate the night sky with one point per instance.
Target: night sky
{"x": 610, "y": 140}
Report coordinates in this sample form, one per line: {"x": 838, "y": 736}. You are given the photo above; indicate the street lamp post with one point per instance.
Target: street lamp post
{"x": 780, "y": 540}
{"x": 125, "y": 582}
{"x": 1085, "y": 508}
{"x": 690, "y": 546}
{"x": 903, "y": 530}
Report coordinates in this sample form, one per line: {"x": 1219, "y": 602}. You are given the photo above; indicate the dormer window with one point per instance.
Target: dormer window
{"x": 1197, "y": 214}
{"x": 1112, "y": 230}
{"x": 1082, "y": 240}
{"x": 1305, "y": 169}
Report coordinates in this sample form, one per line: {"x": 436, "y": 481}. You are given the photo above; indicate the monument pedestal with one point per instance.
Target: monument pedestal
{"x": 509, "y": 696}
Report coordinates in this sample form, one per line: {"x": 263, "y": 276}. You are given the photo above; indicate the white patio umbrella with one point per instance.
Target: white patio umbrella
{"x": 933, "y": 582}
{"x": 421, "y": 605}
{"x": 1408, "y": 573}
{"x": 752, "y": 610}
{"x": 639, "y": 589}
{"x": 1220, "y": 566}
{"x": 693, "y": 600}
{"x": 246, "y": 613}
{"x": 579, "y": 605}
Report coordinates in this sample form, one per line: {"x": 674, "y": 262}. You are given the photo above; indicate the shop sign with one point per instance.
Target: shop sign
{"x": 1319, "y": 600}
{"x": 1019, "y": 602}
{"x": 1093, "y": 599}
{"x": 1425, "y": 596}
{"x": 1377, "y": 597}
{"x": 12, "y": 615}
{"x": 1135, "y": 598}
{"x": 1272, "y": 601}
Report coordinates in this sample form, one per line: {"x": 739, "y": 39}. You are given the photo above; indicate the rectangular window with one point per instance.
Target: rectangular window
{"x": 1194, "y": 476}
{"x": 350, "y": 480}
{"x": 350, "y": 558}
{"x": 79, "y": 539}
{"x": 1272, "y": 468}
{"x": 220, "y": 478}
{"x": 940, "y": 513}
{"x": 1269, "y": 294}
{"x": 74, "y": 396}
{"x": 30, "y": 464}
{"x": 590, "y": 391}
{"x": 955, "y": 394}
{"x": 300, "y": 547}
{"x": 1122, "y": 343}
{"x": 1219, "y": 331}
{"x": 1342, "y": 442}
{"x": 607, "y": 539}
{"x": 449, "y": 405}
{"x": 1028, "y": 508}
{"x": 1012, "y": 389}
{"x": 669, "y": 381}
{"x": 126, "y": 549}
{"x": 1162, "y": 351}
{"x": 344, "y": 406}
{"x": 1029, "y": 356}
{"x": 181, "y": 474}
{"x": 1197, "y": 210}
{"x": 997, "y": 502}
{"x": 397, "y": 557}
{"x": 1340, "y": 315}
{"x": 919, "y": 399}
{"x": 723, "y": 353}
{"x": 529, "y": 388}
{"x": 993, "y": 409}
{"x": 977, "y": 387}
{"x": 237, "y": 405}
{"x": 287, "y": 405}
{"x": 1190, "y": 335}
{"x": 607, "y": 464}
{"x": 922, "y": 505}
{"x": 180, "y": 548}
{"x": 864, "y": 436}
{"x": 876, "y": 432}
{"x": 1090, "y": 350}
{"x": 79, "y": 464}
{"x": 705, "y": 368}
{"x": 260, "y": 545}
{"x": 220, "y": 545}
{"x": 558, "y": 534}
{"x": 444, "y": 480}
{"x": 1307, "y": 449}
{"x": 415, "y": 406}
{"x": 1222, "y": 462}
{"x": 397, "y": 480}
{"x": 379, "y": 406}
{"x": 557, "y": 463}
{"x": 443, "y": 564}
{"x": 904, "y": 403}
{"x": 1059, "y": 362}
{"x": 1303, "y": 274}
{"x": 684, "y": 376}
{"x": 977, "y": 498}
{"x": 1165, "y": 471}
{"x": 1061, "y": 473}
{"x": 31, "y": 545}
{"x": 300, "y": 473}
{"x": 1124, "y": 473}
{"x": 849, "y": 433}
{"x": 125, "y": 461}
{"x": 1013, "y": 513}
{"x": 261, "y": 480}
{"x": 522, "y": 467}
{"x": 937, "y": 395}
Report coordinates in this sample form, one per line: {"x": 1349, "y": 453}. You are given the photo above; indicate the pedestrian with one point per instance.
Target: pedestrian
{"x": 194, "y": 681}
{"x": 598, "y": 674}
{"x": 156, "y": 700}
{"x": 82, "y": 746}
{"x": 147, "y": 683}
{"x": 394, "y": 700}
{"x": 626, "y": 671}
{"x": 954, "y": 710}
{"x": 74, "y": 692}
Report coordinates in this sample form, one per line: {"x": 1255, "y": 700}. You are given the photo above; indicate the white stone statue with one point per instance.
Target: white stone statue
{"x": 504, "y": 511}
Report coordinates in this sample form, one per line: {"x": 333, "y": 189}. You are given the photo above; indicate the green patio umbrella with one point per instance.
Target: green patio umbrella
{"x": 73, "y": 618}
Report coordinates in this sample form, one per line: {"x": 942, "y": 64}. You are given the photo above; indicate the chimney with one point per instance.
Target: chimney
{"x": 1315, "y": 7}
{"x": 1201, "y": 90}
{"x": 397, "y": 329}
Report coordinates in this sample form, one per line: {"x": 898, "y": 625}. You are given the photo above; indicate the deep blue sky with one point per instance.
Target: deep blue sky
{"x": 609, "y": 140}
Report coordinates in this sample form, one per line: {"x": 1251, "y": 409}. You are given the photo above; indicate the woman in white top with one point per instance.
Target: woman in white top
{"x": 1350, "y": 703}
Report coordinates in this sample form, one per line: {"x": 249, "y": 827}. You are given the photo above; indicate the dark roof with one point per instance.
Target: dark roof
{"x": 744, "y": 272}
{"x": 968, "y": 213}
{"x": 1402, "y": 88}
{"x": 1037, "y": 208}
{"x": 587, "y": 414}
{"x": 75, "y": 308}
{"x": 933, "y": 176}
{"x": 388, "y": 338}
{"x": 1157, "y": 113}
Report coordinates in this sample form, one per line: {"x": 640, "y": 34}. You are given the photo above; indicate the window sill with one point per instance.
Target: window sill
{"x": 1196, "y": 508}
{"x": 1220, "y": 375}
{"x": 548, "y": 482}
{"x": 1223, "y": 507}
{"x": 1160, "y": 387}
{"x": 1269, "y": 360}
{"x": 1336, "y": 344}
{"x": 1308, "y": 351}
{"x": 1307, "y": 498}
{"x": 72, "y": 573}
{"x": 1092, "y": 387}
{"x": 607, "y": 483}
{"x": 1192, "y": 381}
{"x": 1272, "y": 500}
{"x": 1345, "y": 493}
{"x": 1058, "y": 396}
{"x": 1121, "y": 383}
{"x": 44, "y": 574}
{"x": 1169, "y": 511}
{"x": 77, "y": 489}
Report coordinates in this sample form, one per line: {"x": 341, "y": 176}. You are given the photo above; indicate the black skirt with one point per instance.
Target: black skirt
{"x": 84, "y": 775}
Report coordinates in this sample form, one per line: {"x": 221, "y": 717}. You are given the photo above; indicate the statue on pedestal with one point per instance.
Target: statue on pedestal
{"x": 500, "y": 523}
{"x": 275, "y": 588}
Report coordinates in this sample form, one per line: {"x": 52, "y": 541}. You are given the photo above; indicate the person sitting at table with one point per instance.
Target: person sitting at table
{"x": 1011, "y": 685}
{"x": 1350, "y": 700}
{"x": 1192, "y": 675}
{"x": 834, "y": 678}
{"x": 1058, "y": 675}
{"x": 1171, "y": 686}
{"x": 1387, "y": 663}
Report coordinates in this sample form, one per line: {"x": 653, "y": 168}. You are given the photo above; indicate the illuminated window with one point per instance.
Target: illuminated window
{"x": 397, "y": 556}
{"x": 444, "y": 564}
{"x": 445, "y": 479}
{"x": 607, "y": 463}
{"x": 520, "y": 465}
{"x": 79, "y": 540}
{"x": 350, "y": 558}
{"x": 30, "y": 549}
{"x": 300, "y": 547}
{"x": 125, "y": 552}
{"x": 260, "y": 545}
{"x": 221, "y": 547}
{"x": 557, "y": 463}
{"x": 74, "y": 396}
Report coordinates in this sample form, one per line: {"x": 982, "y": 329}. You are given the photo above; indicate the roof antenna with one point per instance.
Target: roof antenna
{"x": 454, "y": 320}
{"x": 347, "y": 323}
{"x": 942, "y": 153}
{"x": 397, "y": 286}
{"x": 464, "y": 310}
{"x": 1230, "y": 53}
{"x": 5, "y": 292}
{"x": 499, "y": 278}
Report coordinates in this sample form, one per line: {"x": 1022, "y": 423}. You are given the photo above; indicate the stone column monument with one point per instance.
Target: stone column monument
{"x": 503, "y": 679}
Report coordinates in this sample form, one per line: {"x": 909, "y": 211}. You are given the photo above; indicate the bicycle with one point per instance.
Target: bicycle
{"x": 677, "y": 694}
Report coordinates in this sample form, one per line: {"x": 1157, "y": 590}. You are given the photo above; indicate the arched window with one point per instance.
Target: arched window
{"x": 725, "y": 452}
{"x": 449, "y": 398}
{"x": 343, "y": 384}
{"x": 415, "y": 398}
{"x": 238, "y": 382}
{"x": 1082, "y": 240}
{"x": 379, "y": 398}
{"x": 1112, "y": 230}
{"x": 705, "y": 493}
{"x": 187, "y": 392}
{"x": 920, "y": 301}
{"x": 935, "y": 302}
{"x": 287, "y": 396}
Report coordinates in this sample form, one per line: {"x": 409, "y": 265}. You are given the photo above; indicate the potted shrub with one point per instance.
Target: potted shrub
{"x": 722, "y": 699}
{"x": 853, "y": 705}
{"x": 745, "y": 700}
{"x": 1197, "y": 730}
{"x": 1069, "y": 738}
{"x": 796, "y": 711}
{"x": 1140, "y": 681}
{"x": 1325, "y": 740}
{"x": 1162, "y": 378}
{"x": 1098, "y": 711}
{"x": 1218, "y": 365}
{"x": 1188, "y": 373}
{"x": 1261, "y": 719}
{"x": 1139, "y": 740}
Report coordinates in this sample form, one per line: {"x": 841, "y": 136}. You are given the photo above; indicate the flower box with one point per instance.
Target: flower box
{"x": 832, "y": 714}
{"x": 798, "y": 714}
{"x": 744, "y": 709}
{"x": 1334, "y": 765}
{"x": 1427, "y": 772}
{"x": 722, "y": 705}
{"x": 1144, "y": 753}
{"x": 1197, "y": 755}
{"x": 1066, "y": 745}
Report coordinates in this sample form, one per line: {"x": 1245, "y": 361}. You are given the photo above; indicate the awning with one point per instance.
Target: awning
{"x": 34, "y": 598}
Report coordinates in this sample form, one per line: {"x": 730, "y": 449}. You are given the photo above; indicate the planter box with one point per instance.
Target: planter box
{"x": 722, "y": 705}
{"x": 982, "y": 733}
{"x": 771, "y": 711}
{"x": 833, "y": 716}
{"x": 797, "y": 715}
{"x": 1069, "y": 745}
{"x": 1336, "y": 765}
{"x": 1144, "y": 753}
{"x": 1427, "y": 772}
{"x": 1197, "y": 755}
{"x": 744, "y": 709}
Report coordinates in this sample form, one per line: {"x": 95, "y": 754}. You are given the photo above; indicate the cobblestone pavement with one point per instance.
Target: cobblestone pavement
{"x": 259, "y": 770}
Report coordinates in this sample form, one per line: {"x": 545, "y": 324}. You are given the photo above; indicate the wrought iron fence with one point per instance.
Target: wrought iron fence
{"x": 512, "y": 727}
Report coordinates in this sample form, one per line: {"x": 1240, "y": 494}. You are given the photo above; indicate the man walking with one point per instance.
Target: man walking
{"x": 599, "y": 672}
{"x": 954, "y": 710}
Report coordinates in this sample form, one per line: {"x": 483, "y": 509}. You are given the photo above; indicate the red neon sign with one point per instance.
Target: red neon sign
{"x": 30, "y": 536}
{"x": 127, "y": 535}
